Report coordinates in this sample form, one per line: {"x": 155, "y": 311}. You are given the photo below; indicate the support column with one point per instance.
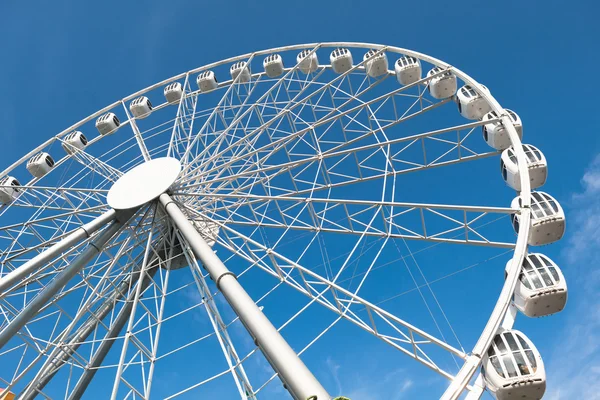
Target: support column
{"x": 55, "y": 285}
{"x": 63, "y": 353}
{"x": 33, "y": 265}
{"x": 297, "y": 378}
{"x": 109, "y": 339}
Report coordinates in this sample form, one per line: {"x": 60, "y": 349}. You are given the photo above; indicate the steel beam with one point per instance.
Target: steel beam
{"x": 55, "y": 285}
{"x": 36, "y": 263}
{"x": 296, "y": 377}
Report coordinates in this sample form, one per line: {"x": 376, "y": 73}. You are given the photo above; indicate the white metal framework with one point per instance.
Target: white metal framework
{"x": 296, "y": 210}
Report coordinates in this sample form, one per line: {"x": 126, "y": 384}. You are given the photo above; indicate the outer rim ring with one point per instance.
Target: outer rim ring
{"x": 498, "y": 314}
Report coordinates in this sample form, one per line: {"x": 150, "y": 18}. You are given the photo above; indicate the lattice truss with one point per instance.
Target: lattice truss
{"x": 302, "y": 181}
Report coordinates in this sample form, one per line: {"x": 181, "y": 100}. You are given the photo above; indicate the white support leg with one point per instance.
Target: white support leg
{"x": 297, "y": 378}
{"x": 36, "y": 263}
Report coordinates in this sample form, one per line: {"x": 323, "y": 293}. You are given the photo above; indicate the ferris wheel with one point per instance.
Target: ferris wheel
{"x": 220, "y": 232}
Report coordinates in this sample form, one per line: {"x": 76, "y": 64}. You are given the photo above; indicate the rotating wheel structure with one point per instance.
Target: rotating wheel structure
{"x": 238, "y": 226}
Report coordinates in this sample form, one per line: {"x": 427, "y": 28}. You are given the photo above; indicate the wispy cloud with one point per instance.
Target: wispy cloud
{"x": 393, "y": 386}
{"x": 574, "y": 367}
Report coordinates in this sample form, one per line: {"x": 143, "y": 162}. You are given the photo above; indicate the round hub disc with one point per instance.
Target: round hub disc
{"x": 143, "y": 183}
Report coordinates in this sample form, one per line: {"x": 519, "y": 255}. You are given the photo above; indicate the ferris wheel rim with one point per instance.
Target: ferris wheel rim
{"x": 520, "y": 249}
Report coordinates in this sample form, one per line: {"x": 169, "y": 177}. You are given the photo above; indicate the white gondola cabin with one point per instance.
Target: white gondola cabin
{"x": 273, "y": 65}
{"x": 74, "y": 142}
{"x": 471, "y": 104}
{"x": 40, "y": 164}
{"x": 376, "y": 64}
{"x": 173, "y": 92}
{"x": 140, "y": 107}
{"x": 408, "y": 70}
{"x": 542, "y": 289}
{"x": 536, "y": 164}
{"x": 341, "y": 60}
{"x": 9, "y": 189}
{"x": 547, "y": 219}
{"x": 307, "y": 61}
{"x": 441, "y": 86}
{"x": 495, "y": 134}
{"x": 513, "y": 368}
{"x": 107, "y": 123}
{"x": 240, "y": 72}
{"x": 209, "y": 230}
{"x": 207, "y": 81}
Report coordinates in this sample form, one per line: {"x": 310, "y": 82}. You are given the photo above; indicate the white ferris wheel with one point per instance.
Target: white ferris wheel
{"x": 220, "y": 232}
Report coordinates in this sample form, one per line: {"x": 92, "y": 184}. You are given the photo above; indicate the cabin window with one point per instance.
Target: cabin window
{"x": 515, "y": 222}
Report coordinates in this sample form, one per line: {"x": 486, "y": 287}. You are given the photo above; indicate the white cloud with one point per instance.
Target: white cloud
{"x": 393, "y": 386}
{"x": 574, "y": 367}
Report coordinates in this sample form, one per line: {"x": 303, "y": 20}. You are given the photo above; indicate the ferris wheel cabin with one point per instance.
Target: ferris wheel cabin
{"x": 307, "y": 62}
{"x": 273, "y": 65}
{"x": 107, "y": 123}
{"x": 173, "y": 92}
{"x": 74, "y": 142}
{"x": 471, "y": 104}
{"x": 441, "y": 86}
{"x": 40, "y": 164}
{"x": 376, "y": 64}
{"x": 536, "y": 164}
{"x": 513, "y": 368}
{"x": 140, "y": 107}
{"x": 9, "y": 189}
{"x": 542, "y": 289}
{"x": 240, "y": 69}
{"x": 495, "y": 134}
{"x": 341, "y": 60}
{"x": 408, "y": 70}
{"x": 207, "y": 81}
{"x": 547, "y": 219}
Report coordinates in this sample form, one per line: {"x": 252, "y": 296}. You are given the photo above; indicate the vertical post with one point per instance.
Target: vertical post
{"x": 58, "y": 283}
{"x": 297, "y": 378}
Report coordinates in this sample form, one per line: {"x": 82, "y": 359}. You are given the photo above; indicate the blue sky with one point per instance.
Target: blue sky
{"x": 64, "y": 60}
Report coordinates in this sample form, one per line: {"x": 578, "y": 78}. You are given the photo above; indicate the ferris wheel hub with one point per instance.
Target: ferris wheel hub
{"x": 143, "y": 183}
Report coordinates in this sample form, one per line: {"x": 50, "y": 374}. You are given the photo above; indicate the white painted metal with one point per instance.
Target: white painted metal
{"x": 442, "y": 86}
{"x": 33, "y": 307}
{"x": 40, "y": 164}
{"x": 341, "y": 60}
{"x": 547, "y": 224}
{"x": 514, "y": 368}
{"x": 376, "y": 63}
{"x": 471, "y": 104}
{"x": 461, "y": 381}
{"x": 37, "y": 262}
{"x": 74, "y": 141}
{"x": 494, "y": 132}
{"x": 408, "y": 70}
{"x": 207, "y": 81}
{"x": 240, "y": 72}
{"x": 273, "y": 65}
{"x": 173, "y": 92}
{"x": 9, "y": 189}
{"x": 300, "y": 382}
{"x": 143, "y": 183}
{"x": 140, "y": 107}
{"x": 542, "y": 288}
{"x": 307, "y": 61}
{"x": 536, "y": 164}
